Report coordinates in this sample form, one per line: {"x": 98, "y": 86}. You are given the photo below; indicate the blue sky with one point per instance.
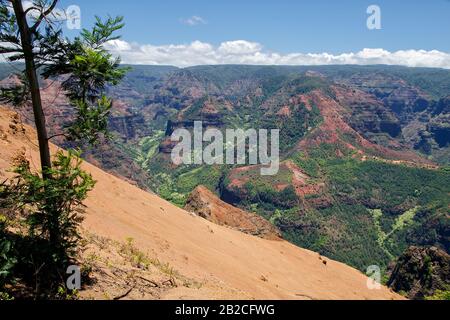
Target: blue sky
{"x": 281, "y": 26}
{"x": 333, "y": 26}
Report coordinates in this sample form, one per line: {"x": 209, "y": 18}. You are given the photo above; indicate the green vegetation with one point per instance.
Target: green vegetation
{"x": 267, "y": 198}
{"x": 7, "y": 257}
{"x": 207, "y": 176}
{"x": 377, "y": 214}
{"x": 341, "y": 231}
{"x": 410, "y": 198}
{"x": 401, "y": 222}
{"x": 363, "y": 213}
{"x": 440, "y": 295}
{"x": 41, "y": 211}
{"x": 295, "y": 127}
{"x": 389, "y": 187}
{"x": 148, "y": 148}
{"x": 404, "y": 220}
{"x": 368, "y": 212}
{"x": 44, "y": 215}
{"x": 308, "y": 166}
{"x": 177, "y": 185}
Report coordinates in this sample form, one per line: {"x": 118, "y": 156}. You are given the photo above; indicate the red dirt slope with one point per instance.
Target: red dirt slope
{"x": 208, "y": 206}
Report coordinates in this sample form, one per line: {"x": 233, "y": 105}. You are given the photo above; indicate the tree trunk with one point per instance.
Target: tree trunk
{"x": 39, "y": 117}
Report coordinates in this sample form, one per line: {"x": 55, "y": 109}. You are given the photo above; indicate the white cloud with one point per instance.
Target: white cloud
{"x": 193, "y": 21}
{"x": 119, "y": 45}
{"x": 239, "y": 47}
{"x": 245, "y": 52}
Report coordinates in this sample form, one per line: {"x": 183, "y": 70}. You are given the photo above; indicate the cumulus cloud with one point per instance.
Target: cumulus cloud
{"x": 239, "y": 47}
{"x": 245, "y": 52}
{"x": 193, "y": 21}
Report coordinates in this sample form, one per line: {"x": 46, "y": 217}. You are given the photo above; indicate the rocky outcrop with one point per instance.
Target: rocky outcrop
{"x": 420, "y": 272}
{"x": 208, "y": 206}
{"x": 128, "y": 126}
{"x": 366, "y": 114}
{"x": 441, "y": 133}
{"x": 430, "y": 133}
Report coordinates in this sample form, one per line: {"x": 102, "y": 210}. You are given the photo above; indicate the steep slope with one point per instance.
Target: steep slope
{"x": 125, "y": 124}
{"x": 208, "y": 206}
{"x": 339, "y": 116}
{"x": 228, "y": 263}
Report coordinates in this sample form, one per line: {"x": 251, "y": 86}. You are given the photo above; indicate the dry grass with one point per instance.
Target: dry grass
{"x": 119, "y": 270}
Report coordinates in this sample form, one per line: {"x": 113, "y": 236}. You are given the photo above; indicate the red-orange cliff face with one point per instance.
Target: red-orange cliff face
{"x": 335, "y": 129}
{"x": 207, "y": 205}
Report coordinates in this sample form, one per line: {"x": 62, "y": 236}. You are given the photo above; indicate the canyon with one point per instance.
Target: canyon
{"x": 364, "y": 152}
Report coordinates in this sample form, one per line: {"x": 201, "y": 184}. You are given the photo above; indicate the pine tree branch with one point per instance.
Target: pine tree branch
{"x": 43, "y": 16}
{"x": 10, "y": 50}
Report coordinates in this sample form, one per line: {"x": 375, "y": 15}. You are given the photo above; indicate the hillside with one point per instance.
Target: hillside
{"x": 347, "y": 151}
{"x": 364, "y": 150}
{"x": 207, "y": 205}
{"x": 224, "y": 263}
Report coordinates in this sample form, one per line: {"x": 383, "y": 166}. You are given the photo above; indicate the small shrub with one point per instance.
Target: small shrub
{"x": 7, "y": 257}
{"x": 51, "y": 210}
{"x": 440, "y": 295}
